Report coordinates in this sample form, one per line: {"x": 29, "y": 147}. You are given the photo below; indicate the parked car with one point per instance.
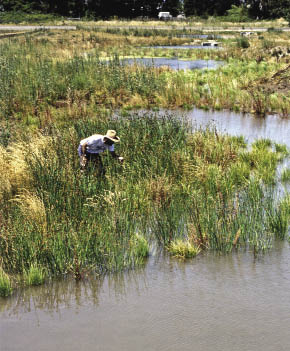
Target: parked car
{"x": 164, "y": 15}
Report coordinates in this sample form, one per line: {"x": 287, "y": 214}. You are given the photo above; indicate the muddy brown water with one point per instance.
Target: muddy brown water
{"x": 232, "y": 302}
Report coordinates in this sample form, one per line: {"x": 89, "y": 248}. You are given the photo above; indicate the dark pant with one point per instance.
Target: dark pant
{"x": 95, "y": 161}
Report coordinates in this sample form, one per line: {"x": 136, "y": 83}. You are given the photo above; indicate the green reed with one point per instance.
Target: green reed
{"x": 200, "y": 187}
{"x": 5, "y": 284}
{"x": 36, "y": 86}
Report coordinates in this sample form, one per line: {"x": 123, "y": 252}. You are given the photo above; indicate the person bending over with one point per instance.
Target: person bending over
{"x": 90, "y": 149}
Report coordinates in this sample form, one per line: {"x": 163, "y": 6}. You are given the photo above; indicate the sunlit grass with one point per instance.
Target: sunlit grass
{"x": 35, "y": 275}
{"x": 285, "y": 176}
{"x": 183, "y": 249}
{"x": 5, "y": 284}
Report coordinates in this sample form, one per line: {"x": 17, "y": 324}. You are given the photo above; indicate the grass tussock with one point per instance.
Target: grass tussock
{"x": 285, "y": 176}
{"x": 32, "y": 209}
{"x": 35, "y": 275}
{"x": 5, "y": 284}
{"x": 140, "y": 246}
{"x": 183, "y": 249}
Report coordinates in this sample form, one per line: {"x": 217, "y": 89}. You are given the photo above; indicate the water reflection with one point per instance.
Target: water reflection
{"x": 60, "y": 294}
{"x": 54, "y": 296}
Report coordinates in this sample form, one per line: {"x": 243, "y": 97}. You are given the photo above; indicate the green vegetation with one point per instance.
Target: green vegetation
{"x": 17, "y": 17}
{"x": 43, "y": 76}
{"x": 185, "y": 190}
{"x": 34, "y": 275}
{"x": 183, "y": 249}
{"x": 243, "y": 43}
{"x": 238, "y": 14}
{"x": 5, "y": 284}
{"x": 280, "y": 220}
{"x": 285, "y": 177}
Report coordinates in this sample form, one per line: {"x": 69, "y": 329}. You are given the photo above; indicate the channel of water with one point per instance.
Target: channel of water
{"x": 175, "y": 64}
{"x": 184, "y": 47}
{"x": 235, "y": 302}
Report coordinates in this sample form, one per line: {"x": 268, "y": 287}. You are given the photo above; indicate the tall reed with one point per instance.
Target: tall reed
{"x": 199, "y": 187}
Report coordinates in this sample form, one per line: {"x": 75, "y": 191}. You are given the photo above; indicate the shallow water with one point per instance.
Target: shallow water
{"x": 270, "y": 127}
{"x": 199, "y": 36}
{"x": 184, "y": 47}
{"x": 232, "y": 302}
{"x": 211, "y": 303}
{"x": 175, "y": 63}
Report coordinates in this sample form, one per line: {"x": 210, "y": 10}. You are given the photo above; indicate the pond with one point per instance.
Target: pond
{"x": 175, "y": 63}
{"x": 211, "y": 303}
{"x": 184, "y": 47}
{"x": 199, "y": 36}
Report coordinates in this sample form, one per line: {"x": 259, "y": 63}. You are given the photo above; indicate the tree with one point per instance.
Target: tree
{"x": 268, "y": 8}
{"x": 172, "y": 6}
{"x": 208, "y": 7}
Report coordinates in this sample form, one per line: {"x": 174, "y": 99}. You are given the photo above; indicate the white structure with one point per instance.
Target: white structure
{"x": 210, "y": 43}
{"x": 181, "y": 16}
{"x": 164, "y": 15}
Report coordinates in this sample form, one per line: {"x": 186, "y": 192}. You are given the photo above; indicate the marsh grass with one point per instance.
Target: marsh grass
{"x": 44, "y": 81}
{"x": 280, "y": 219}
{"x": 174, "y": 182}
{"x": 35, "y": 275}
{"x": 285, "y": 176}
{"x": 183, "y": 249}
{"x": 5, "y": 284}
{"x": 140, "y": 246}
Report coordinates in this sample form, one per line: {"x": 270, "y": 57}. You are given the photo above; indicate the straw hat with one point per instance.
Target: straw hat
{"x": 112, "y": 135}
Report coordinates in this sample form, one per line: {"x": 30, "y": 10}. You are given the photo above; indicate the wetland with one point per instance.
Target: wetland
{"x": 189, "y": 237}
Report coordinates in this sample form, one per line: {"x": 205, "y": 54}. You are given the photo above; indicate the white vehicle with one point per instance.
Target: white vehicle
{"x": 181, "y": 16}
{"x": 164, "y": 15}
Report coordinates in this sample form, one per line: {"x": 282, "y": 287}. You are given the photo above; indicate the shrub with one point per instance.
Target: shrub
{"x": 18, "y": 17}
{"x": 237, "y": 14}
{"x": 243, "y": 43}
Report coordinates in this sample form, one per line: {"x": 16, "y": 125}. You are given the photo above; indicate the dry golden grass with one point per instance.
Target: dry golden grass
{"x": 5, "y": 185}
{"x": 160, "y": 190}
{"x": 15, "y": 163}
{"x": 32, "y": 207}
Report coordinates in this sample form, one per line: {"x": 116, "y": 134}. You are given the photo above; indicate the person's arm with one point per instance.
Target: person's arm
{"x": 84, "y": 145}
{"x": 114, "y": 155}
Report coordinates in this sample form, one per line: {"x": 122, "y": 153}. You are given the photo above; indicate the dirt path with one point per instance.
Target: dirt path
{"x": 197, "y": 28}
{"x": 10, "y": 27}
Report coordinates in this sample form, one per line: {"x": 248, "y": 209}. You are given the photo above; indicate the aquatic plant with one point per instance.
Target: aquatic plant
{"x": 183, "y": 249}
{"x": 280, "y": 218}
{"x": 5, "y": 284}
{"x": 44, "y": 81}
{"x": 174, "y": 183}
{"x": 35, "y": 275}
{"x": 285, "y": 176}
{"x": 139, "y": 246}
